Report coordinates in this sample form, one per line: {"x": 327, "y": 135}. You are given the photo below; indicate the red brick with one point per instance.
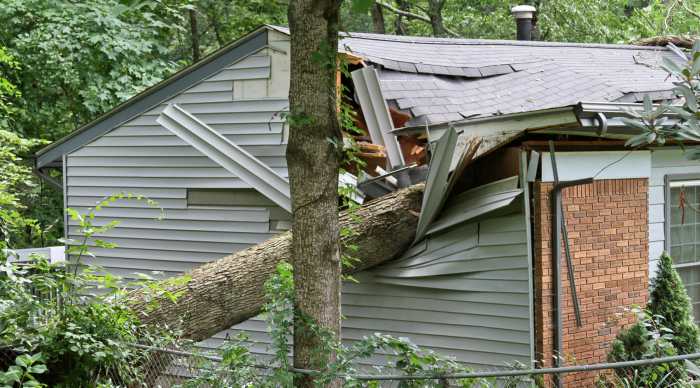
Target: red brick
{"x": 608, "y": 231}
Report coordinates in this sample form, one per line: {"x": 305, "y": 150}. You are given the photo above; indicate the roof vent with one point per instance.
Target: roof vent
{"x": 523, "y": 15}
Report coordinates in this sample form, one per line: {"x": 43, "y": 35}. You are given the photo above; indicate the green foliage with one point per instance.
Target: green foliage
{"x": 654, "y": 130}
{"x": 665, "y": 328}
{"x": 646, "y": 339}
{"x": 24, "y": 372}
{"x": 598, "y": 21}
{"x": 32, "y": 225}
{"x": 224, "y": 21}
{"x": 64, "y": 325}
{"x": 81, "y": 59}
{"x": 34, "y": 211}
{"x": 670, "y": 300}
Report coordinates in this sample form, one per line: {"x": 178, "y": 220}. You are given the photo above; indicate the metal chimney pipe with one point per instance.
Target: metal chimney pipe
{"x": 523, "y": 18}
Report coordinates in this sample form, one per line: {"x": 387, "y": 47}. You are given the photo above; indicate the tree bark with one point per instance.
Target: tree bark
{"x": 230, "y": 290}
{"x": 378, "y": 25}
{"x": 194, "y": 35}
{"x": 400, "y": 26}
{"x": 313, "y": 159}
{"x": 435, "y": 14}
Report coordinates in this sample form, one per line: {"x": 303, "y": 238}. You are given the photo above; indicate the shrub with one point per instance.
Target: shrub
{"x": 63, "y": 325}
{"x": 646, "y": 339}
{"x": 669, "y": 299}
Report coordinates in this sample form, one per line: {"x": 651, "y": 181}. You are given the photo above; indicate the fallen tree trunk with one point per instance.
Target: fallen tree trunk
{"x": 230, "y": 290}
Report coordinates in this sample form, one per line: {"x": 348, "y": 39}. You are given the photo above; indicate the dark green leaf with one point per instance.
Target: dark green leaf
{"x": 361, "y": 6}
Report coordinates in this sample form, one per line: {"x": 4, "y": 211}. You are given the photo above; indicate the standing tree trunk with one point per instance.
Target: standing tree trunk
{"x": 194, "y": 34}
{"x": 399, "y": 25}
{"x": 435, "y": 14}
{"x": 378, "y": 19}
{"x": 313, "y": 161}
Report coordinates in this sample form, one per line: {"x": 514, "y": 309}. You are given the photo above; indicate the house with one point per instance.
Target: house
{"x": 209, "y": 145}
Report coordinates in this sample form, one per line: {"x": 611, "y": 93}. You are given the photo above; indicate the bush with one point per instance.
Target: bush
{"x": 63, "y": 325}
{"x": 670, "y": 300}
{"x": 665, "y": 328}
{"x": 646, "y": 339}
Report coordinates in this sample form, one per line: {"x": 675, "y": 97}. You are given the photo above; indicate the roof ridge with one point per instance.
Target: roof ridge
{"x": 477, "y": 42}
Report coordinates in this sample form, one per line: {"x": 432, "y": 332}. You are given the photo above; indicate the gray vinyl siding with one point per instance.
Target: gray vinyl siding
{"x": 669, "y": 161}
{"x": 143, "y": 158}
{"x": 464, "y": 293}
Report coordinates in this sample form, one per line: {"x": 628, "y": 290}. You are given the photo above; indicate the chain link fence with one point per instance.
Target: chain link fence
{"x": 164, "y": 367}
{"x": 172, "y": 367}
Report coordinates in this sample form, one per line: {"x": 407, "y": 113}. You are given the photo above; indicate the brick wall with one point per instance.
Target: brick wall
{"x": 607, "y": 223}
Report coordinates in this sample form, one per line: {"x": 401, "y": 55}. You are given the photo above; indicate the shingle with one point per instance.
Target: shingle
{"x": 440, "y": 78}
{"x": 407, "y": 67}
{"x": 423, "y": 68}
{"x": 488, "y": 71}
{"x": 471, "y": 72}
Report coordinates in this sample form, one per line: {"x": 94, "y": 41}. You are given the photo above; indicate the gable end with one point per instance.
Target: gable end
{"x": 154, "y": 95}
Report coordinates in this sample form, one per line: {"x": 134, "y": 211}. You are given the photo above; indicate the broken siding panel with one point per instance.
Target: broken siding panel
{"x": 474, "y": 311}
{"x": 229, "y": 155}
{"x": 667, "y": 161}
{"x": 486, "y": 291}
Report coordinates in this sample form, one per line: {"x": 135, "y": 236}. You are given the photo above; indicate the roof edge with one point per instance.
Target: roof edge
{"x": 154, "y": 95}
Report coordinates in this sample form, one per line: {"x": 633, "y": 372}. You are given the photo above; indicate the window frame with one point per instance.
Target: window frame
{"x": 668, "y": 179}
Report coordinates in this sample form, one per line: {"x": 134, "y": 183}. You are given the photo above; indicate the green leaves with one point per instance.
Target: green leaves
{"x": 81, "y": 59}
{"x": 361, "y": 6}
{"x": 653, "y": 127}
{"x": 24, "y": 372}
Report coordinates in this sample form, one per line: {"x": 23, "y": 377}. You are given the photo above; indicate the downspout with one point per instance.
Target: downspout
{"x": 557, "y": 219}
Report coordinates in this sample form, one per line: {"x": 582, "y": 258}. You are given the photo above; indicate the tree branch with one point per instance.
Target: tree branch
{"x": 415, "y": 16}
{"x": 689, "y": 10}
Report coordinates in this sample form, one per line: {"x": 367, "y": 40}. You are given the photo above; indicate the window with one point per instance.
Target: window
{"x": 683, "y": 232}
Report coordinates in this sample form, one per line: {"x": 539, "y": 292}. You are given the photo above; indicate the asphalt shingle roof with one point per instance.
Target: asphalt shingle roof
{"x": 440, "y": 80}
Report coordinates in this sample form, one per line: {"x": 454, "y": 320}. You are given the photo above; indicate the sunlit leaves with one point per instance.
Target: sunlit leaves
{"x": 652, "y": 125}
{"x": 81, "y": 59}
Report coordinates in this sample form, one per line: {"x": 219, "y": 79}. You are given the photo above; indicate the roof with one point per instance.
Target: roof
{"x": 153, "y": 96}
{"x": 440, "y": 80}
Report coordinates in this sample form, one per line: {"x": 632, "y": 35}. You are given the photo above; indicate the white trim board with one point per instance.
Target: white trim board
{"x": 586, "y": 164}
{"x": 227, "y": 154}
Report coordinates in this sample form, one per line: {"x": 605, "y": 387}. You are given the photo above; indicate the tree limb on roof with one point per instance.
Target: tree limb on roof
{"x": 684, "y": 41}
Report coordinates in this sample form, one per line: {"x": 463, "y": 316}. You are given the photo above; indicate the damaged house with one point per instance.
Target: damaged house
{"x": 474, "y": 120}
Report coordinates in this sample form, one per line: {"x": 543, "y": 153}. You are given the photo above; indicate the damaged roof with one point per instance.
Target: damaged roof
{"x": 439, "y": 80}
